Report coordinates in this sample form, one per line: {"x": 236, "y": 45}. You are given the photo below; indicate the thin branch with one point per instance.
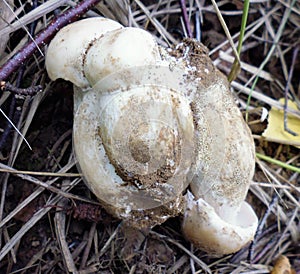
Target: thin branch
{"x": 45, "y": 37}
{"x": 186, "y": 18}
{"x": 6, "y": 86}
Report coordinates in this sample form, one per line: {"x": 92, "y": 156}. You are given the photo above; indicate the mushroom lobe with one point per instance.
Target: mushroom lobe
{"x": 208, "y": 231}
{"x": 138, "y": 147}
{"x": 66, "y": 52}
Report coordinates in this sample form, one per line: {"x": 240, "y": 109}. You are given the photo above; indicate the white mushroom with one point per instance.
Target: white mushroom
{"x": 153, "y": 122}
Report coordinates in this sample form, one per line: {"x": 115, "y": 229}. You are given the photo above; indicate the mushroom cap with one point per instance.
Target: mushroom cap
{"x": 120, "y": 49}
{"x": 209, "y": 232}
{"x": 134, "y": 143}
{"x": 66, "y": 52}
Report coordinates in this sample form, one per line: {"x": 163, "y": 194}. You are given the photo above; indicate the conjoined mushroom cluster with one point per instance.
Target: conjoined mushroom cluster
{"x": 157, "y": 132}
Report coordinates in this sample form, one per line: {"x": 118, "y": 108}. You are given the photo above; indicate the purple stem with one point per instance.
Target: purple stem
{"x": 186, "y": 19}
{"x": 45, "y": 37}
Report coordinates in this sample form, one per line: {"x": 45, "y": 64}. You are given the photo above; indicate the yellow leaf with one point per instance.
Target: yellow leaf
{"x": 275, "y": 130}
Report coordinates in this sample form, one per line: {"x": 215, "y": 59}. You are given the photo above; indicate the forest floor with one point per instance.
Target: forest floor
{"x": 51, "y": 223}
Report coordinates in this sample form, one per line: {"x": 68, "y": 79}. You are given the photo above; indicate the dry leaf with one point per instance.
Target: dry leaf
{"x": 275, "y": 129}
{"x": 282, "y": 266}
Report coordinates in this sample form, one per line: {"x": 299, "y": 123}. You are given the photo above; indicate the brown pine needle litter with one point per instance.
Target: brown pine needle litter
{"x": 41, "y": 228}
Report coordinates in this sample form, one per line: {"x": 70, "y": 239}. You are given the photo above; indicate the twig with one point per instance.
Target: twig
{"x": 12, "y": 115}
{"x": 6, "y": 86}
{"x": 8, "y": 126}
{"x": 186, "y": 18}
{"x": 44, "y": 37}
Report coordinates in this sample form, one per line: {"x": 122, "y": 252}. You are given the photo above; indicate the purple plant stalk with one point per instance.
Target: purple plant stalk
{"x": 186, "y": 18}
{"x": 45, "y": 37}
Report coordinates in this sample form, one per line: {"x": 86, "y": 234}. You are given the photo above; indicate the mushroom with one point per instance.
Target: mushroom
{"x": 156, "y": 132}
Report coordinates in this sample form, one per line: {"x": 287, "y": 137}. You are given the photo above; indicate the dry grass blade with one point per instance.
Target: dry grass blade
{"x": 203, "y": 265}
{"x": 248, "y": 68}
{"x": 159, "y": 27}
{"x": 29, "y": 224}
{"x": 40, "y": 173}
{"x": 16, "y": 129}
{"x": 30, "y": 198}
{"x": 60, "y": 228}
{"x": 31, "y": 16}
{"x": 46, "y": 186}
{"x": 4, "y": 19}
{"x": 228, "y": 35}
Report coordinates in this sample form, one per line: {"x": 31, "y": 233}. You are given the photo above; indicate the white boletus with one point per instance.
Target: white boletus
{"x": 149, "y": 123}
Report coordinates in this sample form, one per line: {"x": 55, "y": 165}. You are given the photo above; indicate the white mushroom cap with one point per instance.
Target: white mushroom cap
{"x": 210, "y": 232}
{"x": 118, "y": 50}
{"x": 67, "y": 50}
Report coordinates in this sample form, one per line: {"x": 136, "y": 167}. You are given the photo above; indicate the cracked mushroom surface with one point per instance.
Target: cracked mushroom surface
{"x": 149, "y": 123}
